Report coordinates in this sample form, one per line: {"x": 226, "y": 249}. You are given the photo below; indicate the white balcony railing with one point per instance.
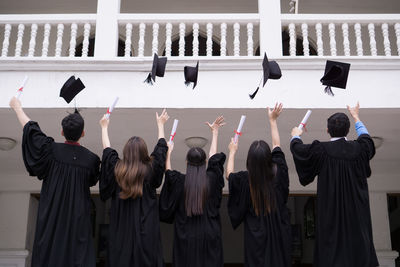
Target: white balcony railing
{"x": 343, "y": 34}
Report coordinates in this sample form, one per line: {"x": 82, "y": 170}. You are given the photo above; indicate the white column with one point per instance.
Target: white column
{"x": 106, "y": 44}
{"x": 270, "y": 27}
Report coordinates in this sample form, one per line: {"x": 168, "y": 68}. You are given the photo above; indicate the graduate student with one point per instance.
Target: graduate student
{"x": 191, "y": 201}
{"x": 343, "y": 229}
{"x": 258, "y": 197}
{"x": 131, "y": 183}
{"x": 63, "y": 235}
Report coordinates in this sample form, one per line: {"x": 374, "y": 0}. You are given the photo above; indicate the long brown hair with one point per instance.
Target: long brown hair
{"x": 196, "y": 182}
{"x": 261, "y": 173}
{"x": 131, "y": 170}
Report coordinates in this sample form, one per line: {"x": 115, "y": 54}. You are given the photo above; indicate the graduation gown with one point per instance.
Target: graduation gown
{"x": 343, "y": 226}
{"x": 134, "y": 230}
{"x": 63, "y": 234}
{"x": 197, "y": 239}
{"x": 267, "y": 238}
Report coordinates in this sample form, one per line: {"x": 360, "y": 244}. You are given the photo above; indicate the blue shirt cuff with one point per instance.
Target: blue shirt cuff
{"x": 360, "y": 128}
{"x": 294, "y": 137}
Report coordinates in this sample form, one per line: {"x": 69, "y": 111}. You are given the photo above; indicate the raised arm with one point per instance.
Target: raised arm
{"x": 214, "y": 127}
{"x": 104, "y": 122}
{"x": 230, "y": 166}
{"x": 161, "y": 120}
{"x": 360, "y": 127}
{"x": 15, "y": 104}
{"x": 168, "y": 158}
{"x": 273, "y": 116}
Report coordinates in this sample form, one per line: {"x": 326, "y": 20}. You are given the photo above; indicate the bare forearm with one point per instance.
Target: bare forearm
{"x": 231, "y": 164}
{"x": 160, "y": 130}
{"x": 168, "y": 162}
{"x": 274, "y": 134}
{"x": 214, "y": 143}
{"x": 104, "y": 137}
{"x": 22, "y": 117}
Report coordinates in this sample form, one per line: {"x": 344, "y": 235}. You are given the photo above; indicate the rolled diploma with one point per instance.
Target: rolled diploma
{"x": 112, "y": 107}
{"x": 239, "y": 129}
{"x": 173, "y": 131}
{"x": 305, "y": 119}
{"x": 19, "y": 92}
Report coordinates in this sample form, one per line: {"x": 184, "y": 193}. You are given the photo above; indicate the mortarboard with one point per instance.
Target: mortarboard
{"x": 191, "y": 74}
{"x": 158, "y": 69}
{"x": 271, "y": 70}
{"x": 336, "y": 74}
{"x": 71, "y": 88}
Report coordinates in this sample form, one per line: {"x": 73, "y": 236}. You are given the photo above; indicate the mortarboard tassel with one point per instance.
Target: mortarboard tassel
{"x": 148, "y": 80}
{"x": 328, "y": 90}
{"x": 254, "y": 94}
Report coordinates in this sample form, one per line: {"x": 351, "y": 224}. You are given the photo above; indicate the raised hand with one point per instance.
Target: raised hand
{"x": 354, "y": 111}
{"x": 170, "y": 147}
{"x": 274, "y": 114}
{"x": 296, "y": 131}
{"x": 104, "y": 122}
{"x": 233, "y": 147}
{"x": 15, "y": 103}
{"x": 162, "y": 119}
{"x": 219, "y": 122}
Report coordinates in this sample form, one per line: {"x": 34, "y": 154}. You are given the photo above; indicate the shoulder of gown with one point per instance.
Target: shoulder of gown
{"x": 239, "y": 197}
{"x": 282, "y": 174}
{"x": 215, "y": 169}
{"x": 171, "y": 194}
{"x": 108, "y": 184}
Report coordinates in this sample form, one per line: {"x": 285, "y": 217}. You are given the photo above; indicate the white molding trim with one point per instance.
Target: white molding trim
{"x": 13, "y": 258}
{"x": 386, "y": 258}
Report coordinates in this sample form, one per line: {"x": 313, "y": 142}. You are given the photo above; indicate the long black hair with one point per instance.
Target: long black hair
{"x": 196, "y": 182}
{"x": 261, "y": 173}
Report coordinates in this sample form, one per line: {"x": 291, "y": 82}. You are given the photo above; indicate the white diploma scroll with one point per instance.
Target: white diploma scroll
{"x": 110, "y": 109}
{"x": 21, "y": 88}
{"x": 305, "y": 119}
{"x": 239, "y": 129}
{"x": 173, "y": 131}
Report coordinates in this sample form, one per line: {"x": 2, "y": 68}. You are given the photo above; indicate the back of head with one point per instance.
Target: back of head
{"x": 131, "y": 170}
{"x": 261, "y": 173}
{"x": 196, "y": 183}
{"x": 72, "y": 126}
{"x": 338, "y": 125}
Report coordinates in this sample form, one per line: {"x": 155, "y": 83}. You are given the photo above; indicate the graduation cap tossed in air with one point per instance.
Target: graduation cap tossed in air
{"x": 271, "y": 70}
{"x": 336, "y": 74}
{"x": 191, "y": 74}
{"x": 158, "y": 69}
{"x": 71, "y": 88}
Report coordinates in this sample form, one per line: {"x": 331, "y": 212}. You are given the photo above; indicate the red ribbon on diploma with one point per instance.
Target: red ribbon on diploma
{"x": 304, "y": 126}
{"x": 20, "y": 89}
{"x": 108, "y": 111}
{"x": 236, "y": 132}
{"x": 173, "y": 136}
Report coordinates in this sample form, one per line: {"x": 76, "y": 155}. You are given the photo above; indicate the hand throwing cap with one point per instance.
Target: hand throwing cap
{"x": 158, "y": 69}
{"x": 71, "y": 88}
{"x": 336, "y": 74}
{"x": 191, "y": 74}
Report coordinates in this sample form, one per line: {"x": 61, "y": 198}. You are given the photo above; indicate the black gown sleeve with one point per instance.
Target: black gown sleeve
{"x": 239, "y": 197}
{"x": 95, "y": 171}
{"x": 36, "y": 150}
{"x": 308, "y": 159}
{"x": 108, "y": 184}
{"x": 170, "y": 196}
{"x": 282, "y": 174}
{"x": 158, "y": 164}
{"x": 216, "y": 168}
{"x": 367, "y": 151}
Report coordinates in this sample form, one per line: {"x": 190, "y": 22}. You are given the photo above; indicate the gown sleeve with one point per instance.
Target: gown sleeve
{"x": 216, "y": 167}
{"x": 158, "y": 164}
{"x": 239, "y": 197}
{"x": 282, "y": 175}
{"x": 95, "y": 171}
{"x": 367, "y": 151}
{"x": 36, "y": 150}
{"x": 170, "y": 195}
{"x": 308, "y": 159}
{"x": 108, "y": 184}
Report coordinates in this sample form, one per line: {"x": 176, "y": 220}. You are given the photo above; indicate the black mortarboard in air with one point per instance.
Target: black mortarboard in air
{"x": 71, "y": 88}
{"x": 191, "y": 74}
{"x": 271, "y": 70}
{"x": 158, "y": 69}
{"x": 335, "y": 75}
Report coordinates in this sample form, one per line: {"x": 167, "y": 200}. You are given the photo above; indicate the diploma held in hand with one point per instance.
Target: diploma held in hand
{"x": 305, "y": 119}
{"x": 110, "y": 109}
{"x": 239, "y": 129}
{"x": 21, "y": 88}
{"x": 173, "y": 131}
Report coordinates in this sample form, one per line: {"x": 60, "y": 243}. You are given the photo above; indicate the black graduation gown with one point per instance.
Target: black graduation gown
{"x": 134, "y": 230}
{"x": 343, "y": 226}
{"x": 267, "y": 239}
{"x": 197, "y": 239}
{"x": 63, "y": 234}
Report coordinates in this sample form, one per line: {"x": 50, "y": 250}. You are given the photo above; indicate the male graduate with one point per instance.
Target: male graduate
{"x": 68, "y": 170}
{"x": 343, "y": 228}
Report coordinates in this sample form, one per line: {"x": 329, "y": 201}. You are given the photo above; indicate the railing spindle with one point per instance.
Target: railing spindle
{"x": 332, "y": 40}
{"x": 372, "y": 41}
{"x": 250, "y": 42}
{"x": 306, "y": 45}
{"x": 85, "y": 44}
{"x": 72, "y": 41}
{"x": 209, "y": 39}
{"x": 168, "y": 41}
{"x": 357, "y": 29}
{"x": 60, "y": 32}
{"x": 128, "y": 39}
{"x": 236, "y": 41}
{"x": 292, "y": 39}
{"x": 346, "y": 42}
{"x": 320, "y": 44}
{"x": 142, "y": 30}
{"x": 386, "y": 42}
{"x": 32, "y": 42}
{"x": 18, "y": 44}
{"x": 195, "y": 44}
{"x": 6, "y": 42}
{"x": 182, "y": 28}
{"x": 154, "y": 49}
{"x": 397, "y": 30}
{"x": 46, "y": 35}
{"x": 223, "y": 39}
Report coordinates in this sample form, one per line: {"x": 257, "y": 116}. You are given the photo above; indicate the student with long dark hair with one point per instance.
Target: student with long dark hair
{"x": 258, "y": 197}
{"x": 131, "y": 182}
{"x": 192, "y": 203}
